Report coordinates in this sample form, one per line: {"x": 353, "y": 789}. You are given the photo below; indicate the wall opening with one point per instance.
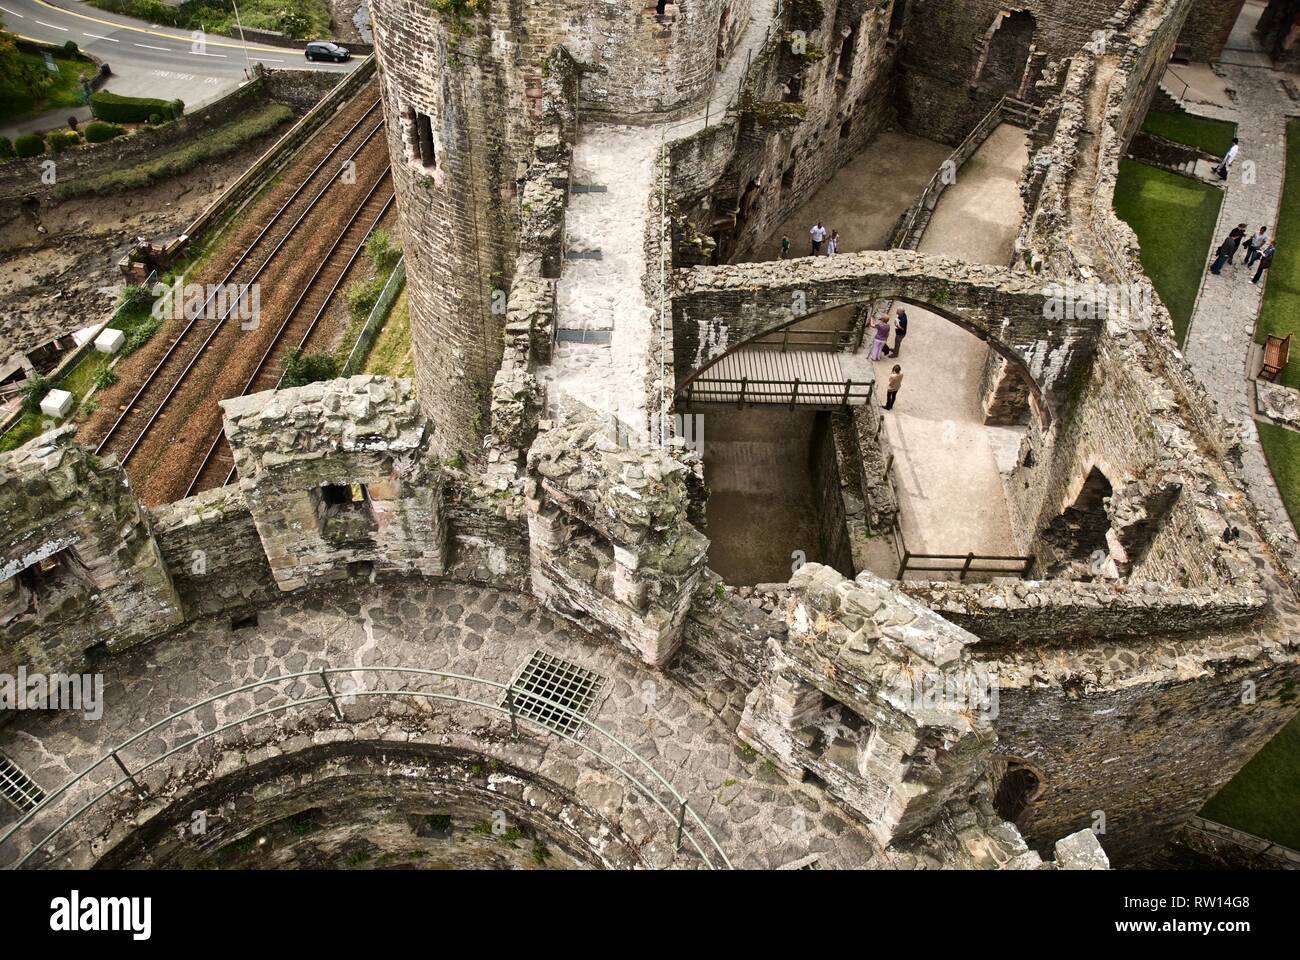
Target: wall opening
{"x": 896, "y": 17}
{"x": 44, "y": 586}
{"x": 1018, "y": 786}
{"x": 345, "y": 512}
{"x": 1004, "y": 64}
{"x": 1081, "y": 528}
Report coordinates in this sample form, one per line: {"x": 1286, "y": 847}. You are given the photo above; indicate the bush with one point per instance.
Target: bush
{"x": 60, "y": 140}
{"x": 363, "y": 295}
{"x": 6, "y": 148}
{"x": 383, "y": 253}
{"x": 70, "y": 49}
{"x": 105, "y": 379}
{"x": 137, "y": 337}
{"x": 303, "y": 368}
{"x": 155, "y": 119}
{"x": 29, "y": 145}
{"x": 100, "y": 132}
{"x": 34, "y": 391}
{"x": 119, "y": 109}
{"x": 133, "y": 297}
{"x": 220, "y": 142}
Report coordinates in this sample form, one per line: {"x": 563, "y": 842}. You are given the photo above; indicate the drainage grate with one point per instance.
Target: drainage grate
{"x": 560, "y": 682}
{"x": 18, "y": 788}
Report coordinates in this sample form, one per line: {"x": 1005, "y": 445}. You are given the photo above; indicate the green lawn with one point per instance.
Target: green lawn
{"x": 61, "y": 90}
{"x": 1264, "y": 798}
{"x": 1282, "y": 449}
{"x": 1212, "y": 136}
{"x": 1174, "y": 218}
{"x": 1280, "y": 313}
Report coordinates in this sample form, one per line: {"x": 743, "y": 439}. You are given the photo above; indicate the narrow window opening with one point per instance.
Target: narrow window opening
{"x": 424, "y": 131}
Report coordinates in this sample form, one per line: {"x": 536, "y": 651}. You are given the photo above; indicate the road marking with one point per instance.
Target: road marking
{"x": 12, "y": 13}
{"x": 147, "y": 47}
{"x": 95, "y": 36}
{"x": 197, "y": 54}
{"x": 52, "y": 26}
{"x": 268, "y": 60}
{"x": 155, "y": 33}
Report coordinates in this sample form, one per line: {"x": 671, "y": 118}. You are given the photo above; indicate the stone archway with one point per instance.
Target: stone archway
{"x": 1017, "y": 784}
{"x": 717, "y": 310}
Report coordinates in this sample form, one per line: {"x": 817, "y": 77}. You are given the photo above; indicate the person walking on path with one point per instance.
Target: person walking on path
{"x": 1227, "y": 249}
{"x": 1255, "y": 244}
{"x": 900, "y": 329}
{"x": 833, "y": 244}
{"x": 891, "y": 388}
{"x": 1265, "y": 260}
{"x": 1228, "y": 159}
{"x": 817, "y": 234}
{"x": 880, "y": 344}
{"x": 785, "y": 248}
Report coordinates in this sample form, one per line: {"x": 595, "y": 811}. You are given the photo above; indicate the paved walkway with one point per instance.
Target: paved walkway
{"x": 610, "y": 371}
{"x": 682, "y": 721}
{"x": 945, "y": 465}
{"x": 1223, "y": 323}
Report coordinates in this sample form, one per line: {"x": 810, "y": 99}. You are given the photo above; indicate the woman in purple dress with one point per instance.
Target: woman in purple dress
{"x": 881, "y": 339}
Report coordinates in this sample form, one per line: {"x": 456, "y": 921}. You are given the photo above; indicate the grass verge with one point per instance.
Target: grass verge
{"x": 390, "y": 355}
{"x": 1174, "y": 218}
{"x": 221, "y": 142}
{"x": 1212, "y": 136}
{"x": 1279, "y": 314}
{"x": 60, "y": 90}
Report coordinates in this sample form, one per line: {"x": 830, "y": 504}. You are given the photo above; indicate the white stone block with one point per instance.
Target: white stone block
{"x": 82, "y": 335}
{"x": 58, "y": 403}
{"x": 110, "y": 341}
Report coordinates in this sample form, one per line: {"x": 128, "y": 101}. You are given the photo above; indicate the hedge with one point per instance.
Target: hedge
{"x": 6, "y": 148}
{"x": 60, "y": 140}
{"x": 99, "y": 132}
{"x": 119, "y": 109}
{"x": 29, "y": 145}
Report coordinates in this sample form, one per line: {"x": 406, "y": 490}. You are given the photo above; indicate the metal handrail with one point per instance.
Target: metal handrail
{"x": 512, "y": 693}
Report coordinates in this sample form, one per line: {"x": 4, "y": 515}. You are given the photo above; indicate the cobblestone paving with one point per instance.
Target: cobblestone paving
{"x": 684, "y": 729}
{"x": 1223, "y": 322}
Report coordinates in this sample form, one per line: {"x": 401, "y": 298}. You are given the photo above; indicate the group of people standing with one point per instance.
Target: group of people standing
{"x": 880, "y": 348}
{"x": 821, "y": 241}
{"x": 1259, "y": 250}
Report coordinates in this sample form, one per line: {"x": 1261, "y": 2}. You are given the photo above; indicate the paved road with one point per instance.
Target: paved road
{"x": 149, "y": 60}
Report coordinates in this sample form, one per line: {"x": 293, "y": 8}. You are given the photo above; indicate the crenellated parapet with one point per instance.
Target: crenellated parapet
{"x": 611, "y": 540}
{"x": 79, "y": 563}
{"x": 340, "y": 479}
{"x": 876, "y": 696}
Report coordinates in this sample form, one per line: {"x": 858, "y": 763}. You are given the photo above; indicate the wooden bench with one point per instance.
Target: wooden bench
{"x": 1277, "y": 350}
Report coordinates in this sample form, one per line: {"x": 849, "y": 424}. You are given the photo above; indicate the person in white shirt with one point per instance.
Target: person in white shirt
{"x": 833, "y": 244}
{"x": 818, "y": 234}
{"x": 1228, "y": 159}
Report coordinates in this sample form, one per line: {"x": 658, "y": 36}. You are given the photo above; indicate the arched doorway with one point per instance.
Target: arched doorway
{"x": 1017, "y": 784}
{"x": 1004, "y": 65}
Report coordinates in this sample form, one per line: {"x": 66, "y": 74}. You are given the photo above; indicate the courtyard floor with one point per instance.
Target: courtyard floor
{"x": 951, "y": 498}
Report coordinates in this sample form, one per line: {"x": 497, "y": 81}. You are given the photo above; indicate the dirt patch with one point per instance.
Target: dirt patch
{"x": 58, "y": 265}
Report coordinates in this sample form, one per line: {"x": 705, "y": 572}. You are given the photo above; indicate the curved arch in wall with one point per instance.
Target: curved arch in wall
{"x": 1003, "y": 349}
{"x": 1017, "y": 784}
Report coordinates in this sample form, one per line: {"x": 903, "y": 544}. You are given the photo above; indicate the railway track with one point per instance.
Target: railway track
{"x": 218, "y": 466}
{"x": 145, "y": 407}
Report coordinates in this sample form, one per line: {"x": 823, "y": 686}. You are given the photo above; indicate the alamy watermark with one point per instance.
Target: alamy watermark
{"x": 1132, "y": 303}
{"x": 213, "y": 301}
{"x": 82, "y": 692}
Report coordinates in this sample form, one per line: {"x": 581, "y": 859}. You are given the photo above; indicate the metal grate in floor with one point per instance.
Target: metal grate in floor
{"x": 546, "y": 681}
{"x": 18, "y": 788}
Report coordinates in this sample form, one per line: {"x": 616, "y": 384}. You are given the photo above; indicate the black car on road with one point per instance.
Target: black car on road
{"x": 325, "y": 50}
